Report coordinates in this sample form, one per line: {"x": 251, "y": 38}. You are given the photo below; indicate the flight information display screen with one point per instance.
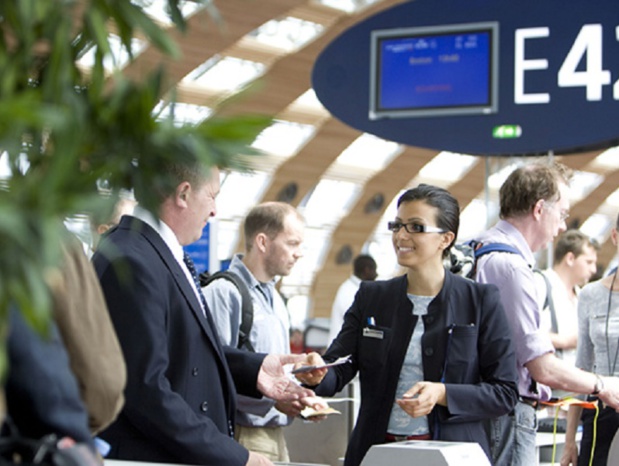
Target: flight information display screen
{"x": 432, "y": 71}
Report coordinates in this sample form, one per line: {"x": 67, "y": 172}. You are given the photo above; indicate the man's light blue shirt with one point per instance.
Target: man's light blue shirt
{"x": 513, "y": 274}
{"x": 269, "y": 333}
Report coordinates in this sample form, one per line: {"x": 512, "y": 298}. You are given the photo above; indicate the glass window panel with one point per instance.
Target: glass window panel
{"x": 607, "y": 160}
{"x": 119, "y": 57}
{"x": 239, "y": 193}
{"x": 597, "y": 226}
{"x": 288, "y": 34}
{"x": 283, "y": 138}
{"x": 582, "y": 184}
{"x": 476, "y": 218}
{"x": 369, "y": 152}
{"x": 183, "y": 113}
{"x": 458, "y": 165}
{"x": 228, "y": 231}
{"x": 5, "y": 169}
{"x": 227, "y": 74}
{"x": 315, "y": 247}
{"x": 157, "y": 9}
{"x": 349, "y": 6}
{"x": 329, "y": 201}
{"x": 613, "y": 199}
{"x": 380, "y": 247}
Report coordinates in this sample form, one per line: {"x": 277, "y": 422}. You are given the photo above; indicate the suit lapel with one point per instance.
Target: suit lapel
{"x": 186, "y": 289}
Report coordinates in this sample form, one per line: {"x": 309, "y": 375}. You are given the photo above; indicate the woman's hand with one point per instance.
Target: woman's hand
{"x": 570, "y": 454}
{"x": 422, "y": 397}
{"x": 314, "y": 377}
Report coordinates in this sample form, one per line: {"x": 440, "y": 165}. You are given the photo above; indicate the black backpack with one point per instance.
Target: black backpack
{"x": 463, "y": 257}
{"x": 247, "y": 307}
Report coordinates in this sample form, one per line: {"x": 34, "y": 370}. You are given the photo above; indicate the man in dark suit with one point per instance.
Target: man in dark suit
{"x": 181, "y": 383}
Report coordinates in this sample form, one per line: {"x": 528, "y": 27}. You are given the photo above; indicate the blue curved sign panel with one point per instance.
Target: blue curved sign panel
{"x": 480, "y": 77}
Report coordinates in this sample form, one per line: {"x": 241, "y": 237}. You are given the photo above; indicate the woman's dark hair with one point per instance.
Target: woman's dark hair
{"x": 448, "y": 209}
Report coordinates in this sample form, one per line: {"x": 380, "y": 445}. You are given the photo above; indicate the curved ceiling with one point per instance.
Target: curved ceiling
{"x": 343, "y": 181}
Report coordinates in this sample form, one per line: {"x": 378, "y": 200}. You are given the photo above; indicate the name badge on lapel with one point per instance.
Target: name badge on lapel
{"x": 373, "y": 333}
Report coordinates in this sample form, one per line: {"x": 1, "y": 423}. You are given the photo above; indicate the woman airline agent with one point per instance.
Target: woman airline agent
{"x": 433, "y": 350}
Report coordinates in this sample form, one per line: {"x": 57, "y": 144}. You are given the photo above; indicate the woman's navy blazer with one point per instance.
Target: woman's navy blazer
{"x": 466, "y": 343}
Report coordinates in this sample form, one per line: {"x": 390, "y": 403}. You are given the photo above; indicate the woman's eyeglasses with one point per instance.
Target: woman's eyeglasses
{"x": 413, "y": 227}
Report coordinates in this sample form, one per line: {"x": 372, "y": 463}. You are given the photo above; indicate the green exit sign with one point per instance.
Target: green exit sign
{"x": 506, "y": 132}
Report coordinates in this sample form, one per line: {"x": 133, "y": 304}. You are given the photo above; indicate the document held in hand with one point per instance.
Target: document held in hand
{"x": 337, "y": 362}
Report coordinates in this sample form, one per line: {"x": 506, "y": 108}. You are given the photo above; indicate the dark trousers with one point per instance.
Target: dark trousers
{"x": 607, "y": 425}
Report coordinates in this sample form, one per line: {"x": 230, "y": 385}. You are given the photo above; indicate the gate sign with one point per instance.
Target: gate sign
{"x": 485, "y": 77}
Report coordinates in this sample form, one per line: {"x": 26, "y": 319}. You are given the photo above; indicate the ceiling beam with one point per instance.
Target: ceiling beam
{"x": 205, "y": 37}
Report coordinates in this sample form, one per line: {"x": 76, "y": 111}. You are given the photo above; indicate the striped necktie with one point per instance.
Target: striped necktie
{"x": 192, "y": 269}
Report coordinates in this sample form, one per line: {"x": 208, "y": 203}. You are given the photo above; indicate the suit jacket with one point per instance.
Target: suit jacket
{"x": 180, "y": 396}
{"x": 466, "y": 342}
{"x": 41, "y": 392}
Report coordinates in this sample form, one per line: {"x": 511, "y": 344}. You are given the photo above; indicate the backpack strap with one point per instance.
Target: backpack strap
{"x": 483, "y": 249}
{"x": 549, "y": 303}
{"x": 247, "y": 307}
{"x": 480, "y": 249}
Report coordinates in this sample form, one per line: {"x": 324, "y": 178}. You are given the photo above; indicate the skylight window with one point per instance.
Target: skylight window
{"x": 239, "y": 193}
{"x": 120, "y": 57}
{"x": 607, "y": 160}
{"x": 597, "y": 226}
{"x": 613, "y": 200}
{"x": 380, "y": 246}
{"x": 228, "y": 231}
{"x": 158, "y": 9}
{"x": 283, "y": 138}
{"x": 308, "y": 99}
{"x": 183, "y": 113}
{"x": 582, "y": 184}
{"x": 288, "y": 34}
{"x": 5, "y": 169}
{"x": 315, "y": 245}
{"x": 329, "y": 201}
{"x": 226, "y": 74}
{"x": 369, "y": 152}
{"x": 348, "y": 6}
{"x": 458, "y": 165}
{"x": 475, "y": 218}
{"x": 496, "y": 180}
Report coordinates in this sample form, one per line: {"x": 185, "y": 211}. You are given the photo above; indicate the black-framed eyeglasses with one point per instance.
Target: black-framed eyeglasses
{"x": 413, "y": 227}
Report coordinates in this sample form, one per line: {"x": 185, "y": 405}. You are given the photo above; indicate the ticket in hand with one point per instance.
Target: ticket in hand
{"x": 337, "y": 362}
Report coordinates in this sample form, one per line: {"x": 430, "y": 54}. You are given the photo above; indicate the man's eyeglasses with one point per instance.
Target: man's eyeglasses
{"x": 413, "y": 227}
{"x": 563, "y": 214}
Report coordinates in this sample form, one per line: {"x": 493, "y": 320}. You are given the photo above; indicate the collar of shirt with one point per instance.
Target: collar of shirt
{"x": 515, "y": 238}
{"x": 170, "y": 240}
{"x": 238, "y": 266}
{"x": 164, "y": 231}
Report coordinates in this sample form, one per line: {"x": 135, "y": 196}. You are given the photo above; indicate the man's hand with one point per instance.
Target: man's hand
{"x": 290, "y": 408}
{"x": 422, "y": 398}
{"x": 274, "y": 383}
{"x": 256, "y": 459}
{"x": 313, "y": 377}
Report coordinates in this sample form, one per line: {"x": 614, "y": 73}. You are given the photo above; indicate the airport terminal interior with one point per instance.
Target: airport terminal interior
{"x": 256, "y": 57}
